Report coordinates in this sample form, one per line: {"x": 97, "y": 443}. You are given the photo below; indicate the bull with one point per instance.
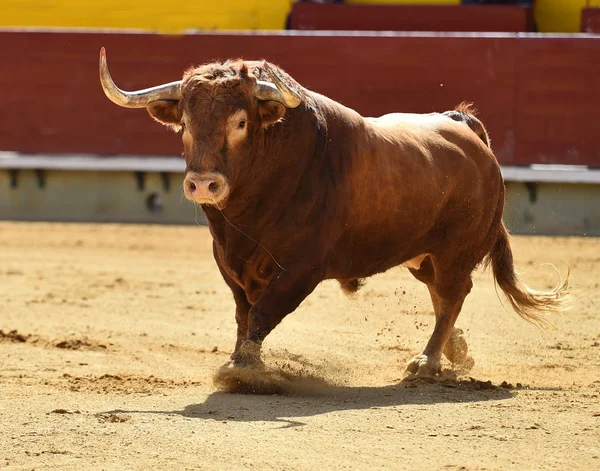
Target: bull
{"x": 298, "y": 189}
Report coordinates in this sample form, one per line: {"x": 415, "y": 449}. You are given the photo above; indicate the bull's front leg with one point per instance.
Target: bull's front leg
{"x": 242, "y": 305}
{"x": 281, "y": 297}
{"x": 242, "y": 308}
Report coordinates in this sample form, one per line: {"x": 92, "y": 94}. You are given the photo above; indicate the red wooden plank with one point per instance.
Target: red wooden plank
{"x": 557, "y": 101}
{"x": 352, "y": 17}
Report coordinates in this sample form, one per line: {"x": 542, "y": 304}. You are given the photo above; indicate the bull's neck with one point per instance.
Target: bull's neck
{"x": 303, "y": 158}
{"x": 288, "y": 159}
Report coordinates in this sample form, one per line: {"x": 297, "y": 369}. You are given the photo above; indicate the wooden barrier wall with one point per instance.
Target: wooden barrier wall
{"x": 472, "y": 18}
{"x": 538, "y": 96}
{"x": 590, "y": 20}
{"x": 401, "y": 2}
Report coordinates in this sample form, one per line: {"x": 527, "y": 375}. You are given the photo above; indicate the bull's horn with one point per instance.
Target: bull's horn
{"x": 276, "y": 91}
{"x": 139, "y": 98}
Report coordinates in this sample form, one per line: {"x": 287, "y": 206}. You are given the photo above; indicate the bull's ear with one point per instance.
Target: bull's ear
{"x": 270, "y": 112}
{"x": 166, "y": 112}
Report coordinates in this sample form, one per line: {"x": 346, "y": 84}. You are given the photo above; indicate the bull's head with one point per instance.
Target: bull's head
{"x": 221, "y": 110}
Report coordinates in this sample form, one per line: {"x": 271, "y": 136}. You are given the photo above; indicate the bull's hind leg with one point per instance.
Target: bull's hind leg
{"x": 447, "y": 295}
{"x": 456, "y": 347}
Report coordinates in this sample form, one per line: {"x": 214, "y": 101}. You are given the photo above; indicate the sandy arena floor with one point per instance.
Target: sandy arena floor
{"x": 111, "y": 335}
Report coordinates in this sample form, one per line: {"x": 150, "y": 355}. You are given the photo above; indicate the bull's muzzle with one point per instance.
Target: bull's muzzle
{"x": 206, "y": 188}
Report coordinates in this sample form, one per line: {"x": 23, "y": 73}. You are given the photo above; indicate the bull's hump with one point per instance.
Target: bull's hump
{"x": 431, "y": 120}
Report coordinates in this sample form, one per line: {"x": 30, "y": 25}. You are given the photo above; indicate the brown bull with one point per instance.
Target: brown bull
{"x": 298, "y": 189}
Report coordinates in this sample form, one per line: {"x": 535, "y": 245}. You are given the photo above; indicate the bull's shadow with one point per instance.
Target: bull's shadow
{"x": 287, "y": 409}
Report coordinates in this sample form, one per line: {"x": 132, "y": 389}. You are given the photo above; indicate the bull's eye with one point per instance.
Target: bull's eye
{"x": 242, "y": 124}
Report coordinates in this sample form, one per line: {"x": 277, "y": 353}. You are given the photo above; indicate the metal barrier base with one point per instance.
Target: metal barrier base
{"x": 553, "y": 200}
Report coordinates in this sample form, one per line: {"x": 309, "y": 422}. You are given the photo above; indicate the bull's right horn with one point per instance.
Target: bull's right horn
{"x": 277, "y": 91}
{"x": 139, "y": 98}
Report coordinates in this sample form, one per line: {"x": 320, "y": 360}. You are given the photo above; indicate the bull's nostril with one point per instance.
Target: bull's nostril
{"x": 213, "y": 187}
{"x": 192, "y": 186}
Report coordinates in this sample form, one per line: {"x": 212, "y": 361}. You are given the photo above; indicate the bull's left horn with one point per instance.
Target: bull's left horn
{"x": 277, "y": 91}
{"x": 139, "y": 98}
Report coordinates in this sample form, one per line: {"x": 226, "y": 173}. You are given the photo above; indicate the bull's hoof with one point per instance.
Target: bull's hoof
{"x": 244, "y": 362}
{"x": 232, "y": 364}
{"x": 423, "y": 366}
{"x": 248, "y": 355}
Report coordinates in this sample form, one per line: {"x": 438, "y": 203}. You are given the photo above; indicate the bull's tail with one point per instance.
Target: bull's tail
{"x": 529, "y": 304}
{"x": 466, "y": 113}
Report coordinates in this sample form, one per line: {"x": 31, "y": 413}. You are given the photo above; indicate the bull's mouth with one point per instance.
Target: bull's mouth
{"x": 220, "y": 203}
{"x": 212, "y": 203}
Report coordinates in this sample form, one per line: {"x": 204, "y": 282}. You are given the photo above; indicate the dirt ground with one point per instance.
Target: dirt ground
{"x": 111, "y": 334}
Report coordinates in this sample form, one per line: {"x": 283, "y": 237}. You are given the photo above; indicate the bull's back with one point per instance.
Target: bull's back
{"x": 425, "y": 158}
{"x": 416, "y": 176}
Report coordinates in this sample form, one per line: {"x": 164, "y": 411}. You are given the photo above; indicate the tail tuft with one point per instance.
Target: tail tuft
{"x": 466, "y": 107}
{"x": 530, "y": 304}
{"x": 350, "y": 287}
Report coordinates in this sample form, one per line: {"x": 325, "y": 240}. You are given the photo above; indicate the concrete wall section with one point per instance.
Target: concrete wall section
{"x": 95, "y": 196}
{"x": 157, "y": 197}
{"x": 553, "y": 208}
